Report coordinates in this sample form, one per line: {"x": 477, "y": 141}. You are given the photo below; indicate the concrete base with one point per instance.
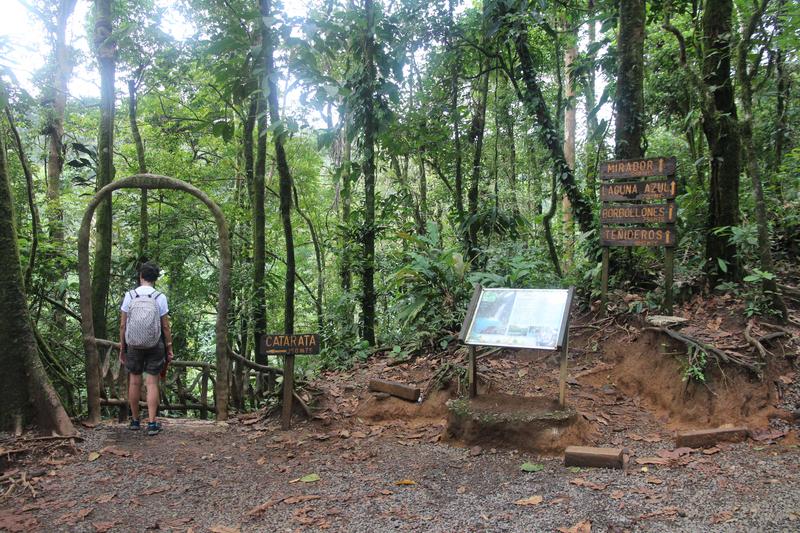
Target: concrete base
{"x": 530, "y": 424}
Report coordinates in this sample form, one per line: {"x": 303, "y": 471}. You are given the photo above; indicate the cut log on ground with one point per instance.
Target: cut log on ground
{"x": 586, "y": 456}
{"x": 395, "y": 389}
{"x": 706, "y": 438}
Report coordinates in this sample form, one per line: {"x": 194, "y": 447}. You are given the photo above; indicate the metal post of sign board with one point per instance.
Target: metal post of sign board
{"x": 563, "y": 343}
{"x": 472, "y": 372}
{"x": 562, "y": 378}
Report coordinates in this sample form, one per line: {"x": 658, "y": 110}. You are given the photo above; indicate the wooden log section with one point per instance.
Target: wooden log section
{"x": 585, "y": 456}
{"x": 395, "y": 389}
{"x": 706, "y": 438}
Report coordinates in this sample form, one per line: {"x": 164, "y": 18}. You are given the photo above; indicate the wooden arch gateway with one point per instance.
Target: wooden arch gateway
{"x": 153, "y": 181}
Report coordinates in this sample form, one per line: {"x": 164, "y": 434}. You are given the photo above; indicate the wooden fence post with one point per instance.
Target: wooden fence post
{"x": 288, "y": 391}
{"x": 204, "y": 393}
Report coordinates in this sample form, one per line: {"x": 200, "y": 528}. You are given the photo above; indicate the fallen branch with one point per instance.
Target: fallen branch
{"x": 303, "y": 404}
{"x": 255, "y": 366}
{"x": 49, "y": 437}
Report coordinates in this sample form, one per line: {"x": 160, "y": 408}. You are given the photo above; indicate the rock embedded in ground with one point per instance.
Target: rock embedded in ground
{"x": 666, "y": 321}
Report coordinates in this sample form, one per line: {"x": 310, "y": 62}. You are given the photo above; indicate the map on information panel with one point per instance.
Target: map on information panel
{"x": 519, "y": 318}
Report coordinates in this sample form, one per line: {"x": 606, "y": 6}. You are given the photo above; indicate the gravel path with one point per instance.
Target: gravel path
{"x": 200, "y": 476}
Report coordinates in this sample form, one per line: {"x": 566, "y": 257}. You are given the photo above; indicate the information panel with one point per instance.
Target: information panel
{"x": 518, "y": 318}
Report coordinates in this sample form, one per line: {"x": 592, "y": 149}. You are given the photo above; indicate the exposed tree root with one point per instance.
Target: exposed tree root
{"x": 753, "y": 341}
{"x": 729, "y": 357}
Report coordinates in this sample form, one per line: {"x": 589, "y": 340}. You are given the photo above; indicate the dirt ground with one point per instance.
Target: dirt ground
{"x": 370, "y": 463}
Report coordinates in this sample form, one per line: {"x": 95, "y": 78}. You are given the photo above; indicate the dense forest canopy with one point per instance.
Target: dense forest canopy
{"x": 375, "y": 159}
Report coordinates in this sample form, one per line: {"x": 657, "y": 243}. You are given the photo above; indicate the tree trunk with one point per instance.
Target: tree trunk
{"x": 106, "y": 51}
{"x": 455, "y": 116}
{"x": 781, "y": 101}
{"x": 285, "y": 178}
{"x": 745, "y": 76}
{"x": 318, "y": 256}
{"x": 55, "y": 126}
{"x": 569, "y": 148}
{"x": 591, "y": 145}
{"x": 142, "y": 168}
{"x": 25, "y": 391}
{"x": 370, "y": 133}
{"x": 534, "y": 102}
{"x": 36, "y": 223}
{"x": 629, "y": 100}
{"x": 722, "y": 132}
{"x": 347, "y": 194}
{"x": 476, "y": 130}
{"x": 257, "y": 201}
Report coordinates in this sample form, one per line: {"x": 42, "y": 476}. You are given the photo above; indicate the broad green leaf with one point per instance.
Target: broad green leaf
{"x": 531, "y": 467}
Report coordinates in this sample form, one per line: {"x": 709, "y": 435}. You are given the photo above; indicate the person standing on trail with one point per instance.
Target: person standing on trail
{"x": 145, "y": 343}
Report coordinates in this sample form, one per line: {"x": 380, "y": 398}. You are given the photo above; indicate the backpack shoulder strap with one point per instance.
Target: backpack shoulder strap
{"x": 134, "y": 294}
{"x": 155, "y": 294}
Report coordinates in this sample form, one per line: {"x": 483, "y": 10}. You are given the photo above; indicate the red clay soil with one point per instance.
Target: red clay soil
{"x": 646, "y": 367}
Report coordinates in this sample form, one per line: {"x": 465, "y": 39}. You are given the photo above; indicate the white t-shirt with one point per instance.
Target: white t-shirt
{"x": 144, "y": 290}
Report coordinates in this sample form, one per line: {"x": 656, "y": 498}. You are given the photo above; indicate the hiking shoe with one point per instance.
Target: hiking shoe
{"x": 153, "y": 428}
{"x": 135, "y": 424}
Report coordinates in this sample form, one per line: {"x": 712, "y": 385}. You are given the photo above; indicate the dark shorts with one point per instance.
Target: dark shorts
{"x": 150, "y": 360}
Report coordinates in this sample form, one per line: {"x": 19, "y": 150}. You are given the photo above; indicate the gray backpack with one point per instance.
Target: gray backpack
{"x": 143, "y": 328}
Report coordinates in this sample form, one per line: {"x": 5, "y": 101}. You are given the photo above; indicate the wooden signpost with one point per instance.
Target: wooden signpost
{"x": 620, "y": 185}
{"x": 288, "y": 346}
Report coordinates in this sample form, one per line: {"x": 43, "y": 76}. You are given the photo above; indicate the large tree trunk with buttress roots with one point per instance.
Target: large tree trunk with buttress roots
{"x": 26, "y": 393}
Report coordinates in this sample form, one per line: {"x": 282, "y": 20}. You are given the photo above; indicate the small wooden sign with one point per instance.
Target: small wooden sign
{"x": 303, "y": 343}
{"x": 637, "y": 213}
{"x": 639, "y": 190}
{"x": 637, "y": 236}
{"x": 637, "y": 168}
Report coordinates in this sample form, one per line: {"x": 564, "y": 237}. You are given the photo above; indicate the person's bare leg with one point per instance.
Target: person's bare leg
{"x": 134, "y": 393}
{"x": 152, "y": 396}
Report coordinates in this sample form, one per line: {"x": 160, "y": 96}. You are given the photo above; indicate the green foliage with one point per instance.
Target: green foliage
{"x": 430, "y": 288}
{"x": 694, "y": 367}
